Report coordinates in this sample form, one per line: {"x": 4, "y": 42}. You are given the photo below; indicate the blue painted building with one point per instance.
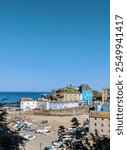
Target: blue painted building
{"x": 97, "y": 107}
{"x": 103, "y": 107}
{"x": 87, "y": 96}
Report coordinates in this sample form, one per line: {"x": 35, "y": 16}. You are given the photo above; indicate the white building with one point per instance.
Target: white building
{"x": 58, "y": 105}
{"x": 29, "y": 104}
{"x": 79, "y": 97}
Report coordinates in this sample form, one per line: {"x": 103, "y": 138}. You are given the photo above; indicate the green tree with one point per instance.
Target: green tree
{"x": 88, "y": 142}
{"x": 78, "y": 145}
{"x": 75, "y": 123}
{"x": 78, "y": 135}
{"x": 9, "y": 140}
{"x": 102, "y": 143}
{"x": 61, "y": 133}
{"x": 96, "y": 142}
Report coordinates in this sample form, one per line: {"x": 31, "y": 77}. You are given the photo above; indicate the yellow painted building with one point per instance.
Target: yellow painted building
{"x": 105, "y": 95}
{"x": 72, "y": 96}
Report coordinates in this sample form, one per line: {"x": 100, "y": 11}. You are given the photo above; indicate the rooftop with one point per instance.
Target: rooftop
{"x": 26, "y": 99}
{"x": 99, "y": 114}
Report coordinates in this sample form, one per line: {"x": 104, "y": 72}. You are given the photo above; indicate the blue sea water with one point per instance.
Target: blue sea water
{"x": 15, "y": 96}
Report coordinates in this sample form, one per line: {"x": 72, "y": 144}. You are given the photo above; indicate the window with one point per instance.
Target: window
{"x": 102, "y": 125}
{"x": 95, "y": 118}
{"x": 95, "y": 130}
{"x": 102, "y": 119}
{"x": 102, "y": 130}
{"x": 95, "y": 124}
{"x": 109, "y": 131}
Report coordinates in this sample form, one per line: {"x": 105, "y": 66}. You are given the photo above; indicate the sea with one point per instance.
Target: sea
{"x": 12, "y": 97}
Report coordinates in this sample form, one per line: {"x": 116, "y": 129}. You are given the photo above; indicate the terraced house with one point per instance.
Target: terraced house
{"x": 87, "y": 96}
{"x": 99, "y": 121}
{"x": 72, "y": 96}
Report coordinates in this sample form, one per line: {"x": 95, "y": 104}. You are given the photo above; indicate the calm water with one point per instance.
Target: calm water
{"x": 15, "y": 96}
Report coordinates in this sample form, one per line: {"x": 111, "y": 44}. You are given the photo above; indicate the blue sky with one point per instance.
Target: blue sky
{"x": 47, "y": 44}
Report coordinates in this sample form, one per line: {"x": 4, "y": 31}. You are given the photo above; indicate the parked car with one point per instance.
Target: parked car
{"x": 85, "y": 126}
{"x": 48, "y": 132}
{"x": 29, "y": 137}
{"x": 70, "y": 131}
{"x": 52, "y": 147}
{"x": 39, "y": 131}
{"x": 57, "y": 143}
{"x": 44, "y": 121}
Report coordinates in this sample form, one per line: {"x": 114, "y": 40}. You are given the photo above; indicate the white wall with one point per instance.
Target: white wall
{"x": 61, "y": 105}
{"x": 28, "y": 105}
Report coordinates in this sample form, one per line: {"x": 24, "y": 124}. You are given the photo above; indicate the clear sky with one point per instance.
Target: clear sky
{"x": 47, "y": 44}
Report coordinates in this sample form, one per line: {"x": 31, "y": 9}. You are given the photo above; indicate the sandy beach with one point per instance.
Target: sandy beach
{"x": 54, "y": 122}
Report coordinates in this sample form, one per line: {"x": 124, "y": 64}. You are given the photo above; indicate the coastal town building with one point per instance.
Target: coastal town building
{"x": 99, "y": 121}
{"x": 87, "y": 96}
{"x": 72, "y": 96}
{"x": 46, "y": 105}
{"x": 86, "y": 92}
{"x": 102, "y": 106}
{"x": 30, "y": 104}
{"x": 79, "y": 96}
{"x": 105, "y": 95}
{"x": 69, "y": 93}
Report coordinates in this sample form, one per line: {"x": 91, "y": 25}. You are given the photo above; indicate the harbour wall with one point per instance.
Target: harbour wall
{"x": 64, "y": 112}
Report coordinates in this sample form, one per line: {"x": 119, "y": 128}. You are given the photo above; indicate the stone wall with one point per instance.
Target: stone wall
{"x": 64, "y": 112}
